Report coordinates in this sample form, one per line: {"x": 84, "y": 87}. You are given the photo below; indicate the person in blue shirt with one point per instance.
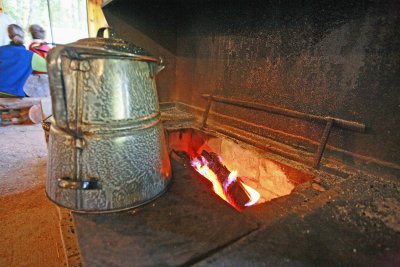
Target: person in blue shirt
{"x": 17, "y": 64}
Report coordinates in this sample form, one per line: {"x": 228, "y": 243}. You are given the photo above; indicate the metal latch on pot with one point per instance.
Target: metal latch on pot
{"x": 69, "y": 183}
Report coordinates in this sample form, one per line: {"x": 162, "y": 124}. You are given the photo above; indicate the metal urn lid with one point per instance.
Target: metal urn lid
{"x": 114, "y": 45}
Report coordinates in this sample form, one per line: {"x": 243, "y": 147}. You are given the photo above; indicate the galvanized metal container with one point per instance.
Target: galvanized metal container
{"x": 107, "y": 148}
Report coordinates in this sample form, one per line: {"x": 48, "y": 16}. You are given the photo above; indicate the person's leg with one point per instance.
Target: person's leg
{"x": 7, "y": 95}
{"x": 37, "y": 85}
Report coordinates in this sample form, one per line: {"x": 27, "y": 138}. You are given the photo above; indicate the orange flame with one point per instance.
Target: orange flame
{"x": 201, "y": 166}
{"x": 203, "y": 169}
{"x": 252, "y": 194}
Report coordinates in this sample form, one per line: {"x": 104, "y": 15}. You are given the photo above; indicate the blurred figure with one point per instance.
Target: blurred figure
{"x": 5, "y": 20}
{"x": 17, "y": 63}
{"x": 38, "y": 45}
{"x": 38, "y": 83}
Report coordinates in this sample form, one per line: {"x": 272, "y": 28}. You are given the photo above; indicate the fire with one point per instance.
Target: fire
{"x": 252, "y": 193}
{"x": 202, "y": 168}
{"x": 221, "y": 189}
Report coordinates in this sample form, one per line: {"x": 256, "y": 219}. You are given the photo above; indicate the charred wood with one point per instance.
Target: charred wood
{"x": 232, "y": 189}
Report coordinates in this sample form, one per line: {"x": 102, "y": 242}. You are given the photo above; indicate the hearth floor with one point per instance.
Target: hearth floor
{"x": 329, "y": 222}
{"x": 29, "y": 222}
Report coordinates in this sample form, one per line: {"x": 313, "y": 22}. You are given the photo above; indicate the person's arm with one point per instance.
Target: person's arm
{"x": 38, "y": 63}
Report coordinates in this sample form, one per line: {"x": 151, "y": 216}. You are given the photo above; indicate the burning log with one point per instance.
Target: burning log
{"x": 215, "y": 164}
{"x": 231, "y": 185}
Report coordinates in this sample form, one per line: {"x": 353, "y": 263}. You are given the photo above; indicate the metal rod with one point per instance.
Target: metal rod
{"x": 78, "y": 145}
{"x": 51, "y": 24}
{"x": 324, "y": 139}
{"x": 345, "y": 124}
{"x": 207, "y": 111}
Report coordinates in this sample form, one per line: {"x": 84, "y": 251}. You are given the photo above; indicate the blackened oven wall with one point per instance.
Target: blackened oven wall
{"x": 333, "y": 58}
{"x": 329, "y": 58}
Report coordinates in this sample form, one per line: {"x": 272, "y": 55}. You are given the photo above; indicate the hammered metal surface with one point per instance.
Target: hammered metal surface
{"x": 113, "y": 104}
{"x": 117, "y": 90}
{"x": 60, "y": 164}
{"x": 132, "y": 167}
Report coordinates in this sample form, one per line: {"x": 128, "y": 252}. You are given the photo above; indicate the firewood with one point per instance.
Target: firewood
{"x": 216, "y": 166}
{"x": 35, "y": 114}
{"x": 235, "y": 192}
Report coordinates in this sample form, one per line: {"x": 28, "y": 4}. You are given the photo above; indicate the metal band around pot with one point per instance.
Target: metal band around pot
{"x": 115, "y": 127}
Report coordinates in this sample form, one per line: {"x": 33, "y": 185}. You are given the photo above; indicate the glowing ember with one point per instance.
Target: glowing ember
{"x": 221, "y": 188}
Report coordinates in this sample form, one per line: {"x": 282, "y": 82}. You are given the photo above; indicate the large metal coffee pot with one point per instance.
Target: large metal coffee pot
{"x": 107, "y": 148}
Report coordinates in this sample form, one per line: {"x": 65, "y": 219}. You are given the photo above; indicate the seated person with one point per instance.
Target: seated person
{"x": 38, "y": 83}
{"x": 17, "y": 63}
{"x": 38, "y": 45}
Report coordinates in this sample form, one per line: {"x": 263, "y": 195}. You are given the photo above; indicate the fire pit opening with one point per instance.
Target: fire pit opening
{"x": 239, "y": 173}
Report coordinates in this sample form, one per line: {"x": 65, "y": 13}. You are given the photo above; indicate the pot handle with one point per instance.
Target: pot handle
{"x": 57, "y": 88}
{"x": 156, "y": 67}
{"x": 100, "y": 32}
